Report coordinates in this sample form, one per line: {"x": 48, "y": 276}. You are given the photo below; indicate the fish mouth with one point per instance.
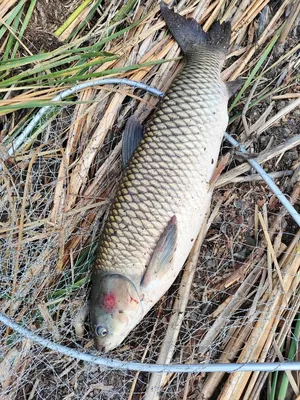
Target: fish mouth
{"x": 100, "y": 348}
{"x": 105, "y": 346}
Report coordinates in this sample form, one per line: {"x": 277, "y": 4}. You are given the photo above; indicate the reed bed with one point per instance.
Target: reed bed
{"x": 242, "y": 304}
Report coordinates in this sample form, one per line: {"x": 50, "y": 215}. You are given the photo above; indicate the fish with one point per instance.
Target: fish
{"x": 166, "y": 187}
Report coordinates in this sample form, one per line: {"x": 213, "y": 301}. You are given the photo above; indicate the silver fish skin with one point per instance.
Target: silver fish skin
{"x": 165, "y": 192}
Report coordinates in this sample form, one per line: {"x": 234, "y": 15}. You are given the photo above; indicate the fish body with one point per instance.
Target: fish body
{"x": 165, "y": 192}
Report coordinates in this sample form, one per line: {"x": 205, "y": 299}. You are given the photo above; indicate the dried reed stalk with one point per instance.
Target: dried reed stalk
{"x": 262, "y": 335}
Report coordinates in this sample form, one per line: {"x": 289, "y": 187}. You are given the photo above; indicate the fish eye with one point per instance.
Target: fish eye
{"x": 101, "y": 331}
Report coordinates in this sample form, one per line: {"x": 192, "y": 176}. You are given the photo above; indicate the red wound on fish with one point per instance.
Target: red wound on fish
{"x": 109, "y": 301}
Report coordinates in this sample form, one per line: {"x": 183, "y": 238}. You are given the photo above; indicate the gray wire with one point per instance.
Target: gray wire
{"x": 135, "y": 366}
{"x": 20, "y": 139}
{"x": 269, "y": 181}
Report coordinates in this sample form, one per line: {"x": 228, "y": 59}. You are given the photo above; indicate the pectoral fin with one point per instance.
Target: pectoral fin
{"x": 132, "y": 136}
{"x": 163, "y": 254}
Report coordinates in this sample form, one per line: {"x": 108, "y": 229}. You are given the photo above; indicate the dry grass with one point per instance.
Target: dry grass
{"x": 55, "y": 191}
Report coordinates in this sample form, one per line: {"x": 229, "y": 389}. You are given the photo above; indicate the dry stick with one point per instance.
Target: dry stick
{"x": 79, "y": 176}
{"x": 235, "y": 344}
{"x": 262, "y": 119}
{"x": 260, "y": 336}
{"x": 256, "y": 224}
{"x": 200, "y": 9}
{"x": 251, "y": 13}
{"x": 272, "y": 185}
{"x": 290, "y": 21}
{"x": 290, "y": 107}
{"x": 229, "y": 353}
{"x": 213, "y": 15}
{"x": 60, "y": 191}
{"x": 270, "y": 247}
{"x": 256, "y": 177}
{"x": 168, "y": 345}
{"x": 242, "y": 19}
{"x": 228, "y": 11}
{"x": 292, "y": 244}
{"x": 263, "y": 157}
{"x": 186, "y": 387}
{"x": 280, "y": 338}
{"x": 5, "y": 7}
{"x": 33, "y": 390}
{"x": 286, "y": 96}
{"x": 208, "y": 11}
{"x": 245, "y": 109}
{"x": 229, "y": 309}
{"x": 266, "y": 349}
{"x": 254, "y": 376}
{"x": 256, "y": 393}
{"x": 269, "y": 258}
{"x": 26, "y": 227}
{"x": 261, "y": 40}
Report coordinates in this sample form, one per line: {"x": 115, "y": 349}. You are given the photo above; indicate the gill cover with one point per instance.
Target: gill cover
{"x": 115, "y": 308}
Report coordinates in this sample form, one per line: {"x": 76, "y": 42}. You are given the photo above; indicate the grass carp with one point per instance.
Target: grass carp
{"x": 165, "y": 192}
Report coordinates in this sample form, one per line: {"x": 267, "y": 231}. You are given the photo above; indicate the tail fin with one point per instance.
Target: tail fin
{"x": 190, "y": 36}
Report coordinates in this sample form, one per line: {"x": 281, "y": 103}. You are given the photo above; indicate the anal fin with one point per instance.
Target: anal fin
{"x": 132, "y": 136}
{"x": 163, "y": 254}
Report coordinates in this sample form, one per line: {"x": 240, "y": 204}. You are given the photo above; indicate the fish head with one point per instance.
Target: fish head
{"x": 115, "y": 309}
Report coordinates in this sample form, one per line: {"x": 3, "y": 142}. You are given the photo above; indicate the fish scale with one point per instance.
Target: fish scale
{"x": 168, "y": 170}
{"x": 165, "y": 191}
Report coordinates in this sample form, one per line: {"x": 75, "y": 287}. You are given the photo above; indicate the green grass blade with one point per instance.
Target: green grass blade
{"x": 70, "y": 70}
{"x": 72, "y": 17}
{"x": 34, "y": 104}
{"x": 124, "y": 11}
{"x": 291, "y": 355}
{"x": 12, "y": 35}
{"x": 68, "y": 289}
{"x": 115, "y": 71}
{"x": 22, "y": 78}
{"x": 24, "y": 25}
{"x": 91, "y": 51}
{"x": 273, "y": 386}
{"x": 11, "y": 17}
{"x": 256, "y": 68}
{"x": 17, "y": 79}
{"x": 86, "y": 21}
{"x": 120, "y": 32}
{"x": 81, "y": 77}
